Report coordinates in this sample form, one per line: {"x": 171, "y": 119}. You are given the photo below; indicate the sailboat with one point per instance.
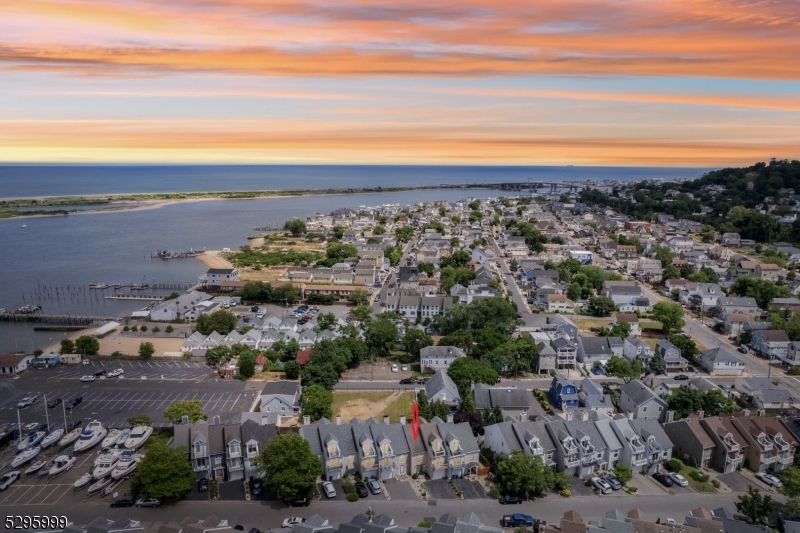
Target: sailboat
{"x": 26, "y": 455}
{"x": 71, "y": 436}
{"x": 54, "y": 435}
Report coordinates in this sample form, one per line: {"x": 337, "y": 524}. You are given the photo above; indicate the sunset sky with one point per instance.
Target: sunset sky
{"x": 663, "y": 83}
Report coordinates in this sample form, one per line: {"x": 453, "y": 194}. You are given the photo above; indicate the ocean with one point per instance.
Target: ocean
{"x": 52, "y": 260}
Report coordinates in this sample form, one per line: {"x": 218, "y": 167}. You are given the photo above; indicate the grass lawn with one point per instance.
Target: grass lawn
{"x": 699, "y": 486}
{"x": 585, "y": 324}
{"x": 365, "y": 404}
{"x": 652, "y": 325}
{"x": 650, "y": 341}
{"x": 159, "y": 436}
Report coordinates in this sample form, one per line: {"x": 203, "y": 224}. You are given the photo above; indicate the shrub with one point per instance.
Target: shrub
{"x": 424, "y": 524}
{"x": 698, "y": 476}
{"x": 793, "y": 370}
{"x": 126, "y": 328}
{"x": 352, "y": 497}
{"x": 715, "y": 483}
{"x": 414, "y": 475}
{"x": 134, "y": 328}
{"x": 143, "y": 328}
{"x": 631, "y": 490}
{"x": 566, "y": 493}
{"x": 169, "y": 329}
{"x": 623, "y": 472}
{"x": 494, "y": 493}
{"x": 156, "y": 329}
{"x": 116, "y": 353}
{"x": 674, "y": 465}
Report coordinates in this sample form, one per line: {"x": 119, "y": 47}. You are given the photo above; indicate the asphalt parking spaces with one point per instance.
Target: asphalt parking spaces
{"x": 36, "y": 490}
{"x": 736, "y": 481}
{"x": 231, "y": 491}
{"x": 157, "y": 370}
{"x": 340, "y": 494}
{"x": 471, "y": 490}
{"x": 440, "y": 489}
{"x": 579, "y": 488}
{"x": 400, "y": 490}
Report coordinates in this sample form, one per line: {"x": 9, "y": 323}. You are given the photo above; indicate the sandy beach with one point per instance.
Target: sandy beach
{"x": 125, "y": 344}
{"x": 214, "y": 259}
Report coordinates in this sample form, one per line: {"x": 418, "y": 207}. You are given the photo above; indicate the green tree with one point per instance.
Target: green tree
{"x": 656, "y": 365}
{"x": 172, "y": 296}
{"x": 338, "y": 231}
{"x": 601, "y": 306}
{"x": 763, "y": 290}
{"x": 663, "y": 254}
{"x": 440, "y": 408}
{"x": 291, "y": 369}
{"x": 465, "y": 370}
{"x": 790, "y": 477}
{"x": 424, "y": 407}
{"x": 621, "y": 329}
{"x": 425, "y": 267}
{"x": 190, "y": 408}
{"x": 403, "y": 234}
{"x": 381, "y": 337}
{"x": 393, "y": 254}
{"x": 379, "y": 230}
{"x": 492, "y": 416}
{"x": 164, "y": 472}
{"x": 295, "y": 226}
{"x": 317, "y": 402}
{"x": 247, "y": 367}
{"x": 326, "y": 321}
{"x": 687, "y": 270}
{"x": 146, "y": 350}
{"x": 716, "y": 403}
{"x": 223, "y": 322}
{"x": 574, "y": 292}
{"x": 288, "y": 466}
{"x": 754, "y": 506}
{"x": 522, "y": 474}
{"x": 670, "y": 272}
{"x": 140, "y": 420}
{"x": 67, "y": 346}
{"x": 87, "y": 345}
{"x": 358, "y": 297}
{"x": 361, "y": 313}
{"x": 218, "y": 353}
{"x": 467, "y": 404}
{"x": 415, "y": 340}
{"x": 623, "y": 472}
{"x": 670, "y": 314}
{"x": 622, "y": 368}
{"x": 687, "y": 346}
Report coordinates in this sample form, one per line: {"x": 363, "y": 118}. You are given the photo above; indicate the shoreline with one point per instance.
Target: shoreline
{"x": 164, "y": 199}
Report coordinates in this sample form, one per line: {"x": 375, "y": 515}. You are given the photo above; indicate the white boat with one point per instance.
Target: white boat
{"x": 61, "y": 464}
{"x": 104, "y": 468}
{"x": 35, "y": 467}
{"x": 108, "y": 454}
{"x": 125, "y": 465}
{"x": 111, "y": 438}
{"x": 31, "y": 439}
{"x": 82, "y": 481}
{"x": 52, "y": 437}
{"x": 24, "y": 226}
{"x": 24, "y": 456}
{"x": 123, "y": 437}
{"x": 139, "y": 435}
{"x": 99, "y": 485}
{"x": 70, "y": 437}
{"x": 91, "y": 435}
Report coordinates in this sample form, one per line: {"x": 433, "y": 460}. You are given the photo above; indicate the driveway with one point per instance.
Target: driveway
{"x": 440, "y": 489}
{"x": 579, "y": 488}
{"x": 736, "y": 481}
{"x": 399, "y": 490}
{"x": 340, "y": 494}
{"x": 647, "y": 486}
{"x": 472, "y": 490}
{"x": 232, "y": 490}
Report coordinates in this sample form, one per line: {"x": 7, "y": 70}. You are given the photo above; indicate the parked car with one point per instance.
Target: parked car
{"x": 742, "y": 349}
{"x": 328, "y": 489}
{"x": 404, "y": 367}
{"x": 8, "y": 478}
{"x": 769, "y": 479}
{"x": 602, "y": 485}
{"x": 361, "y": 489}
{"x": 407, "y": 381}
{"x": 422, "y": 381}
{"x": 681, "y": 377}
{"x": 615, "y": 483}
{"x": 298, "y": 502}
{"x": 148, "y": 502}
{"x": 26, "y": 401}
{"x": 255, "y": 487}
{"x": 202, "y": 485}
{"x": 116, "y": 372}
{"x": 375, "y": 486}
{"x": 663, "y": 479}
{"x": 123, "y": 501}
{"x": 596, "y": 371}
{"x": 679, "y": 479}
{"x": 54, "y": 403}
{"x": 73, "y": 402}
{"x": 508, "y": 500}
{"x": 394, "y": 367}
{"x": 517, "y": 520}
{"x": 100, "y": 372}
{"x": 292, "y": 520}
{"x": 88, "y": 377}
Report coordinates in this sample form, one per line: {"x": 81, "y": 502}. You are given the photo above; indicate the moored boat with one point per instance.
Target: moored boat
{"x": 123, "y": 437}
{"x": 99, "y": 485}
{"x": 91, "y": 435}
{"x": 82, "y": 481}
{"x": 52, "y": 437}
{"x": 108, "y": 454}
{"x": 111, "y": 438}
{"x": 31, "y": 439}
{"x": 24, "y": 456}
{"x": 139, "y": 435}
{"x": 61, "y": 464}
{"x": 70, "y": 437}
{"x": 125, "y": 465}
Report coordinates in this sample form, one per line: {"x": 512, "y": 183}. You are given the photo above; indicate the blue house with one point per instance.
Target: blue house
{"x": 563, "y": 392}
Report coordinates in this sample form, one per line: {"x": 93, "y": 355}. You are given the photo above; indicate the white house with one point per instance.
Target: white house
{"x": 178, "y": 308}
{"x": 721, "y": 362}
{"x": 634, "y": 348}
{"x": 435, "y": 358}
{"x": 215, "y": 276}
{"x": 282, "y": 397}
{"x": 15, "y": 363}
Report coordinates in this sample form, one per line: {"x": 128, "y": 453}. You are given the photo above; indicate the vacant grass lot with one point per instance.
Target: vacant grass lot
{"x": 364, "y": 404}
{"x": 585, "y": 324}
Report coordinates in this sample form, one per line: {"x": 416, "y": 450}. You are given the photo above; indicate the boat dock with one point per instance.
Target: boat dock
{"x": 169, "y": 254}
{"x": 70, "y": 320}
{"x": 133, "y": 297}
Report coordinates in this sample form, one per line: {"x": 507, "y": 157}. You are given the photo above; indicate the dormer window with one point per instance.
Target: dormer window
{"x": 234, "y": 448}
{"x": 367, "y": 448}
{"x": 651, "y": 441}
{"x": 199, "y": 449}
{"x": 455, "y": 447}
{"x": 252, "y": 449}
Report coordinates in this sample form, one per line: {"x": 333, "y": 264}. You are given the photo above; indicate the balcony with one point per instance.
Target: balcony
{"x": 537, "y": 450}
{"x": 734, "y": 459}
{"x": 200, "y": 468}
{"x": 785, "y": 459}
{"x": 781, "y": 444}
{"x": 235, "y": 467}
{"x": 768, "y": 458}
{"x": 387, "y": 452}
{"x": 572, "y": 461}
{"x": 589, "y": 460}
{"x": 639, "y": 460}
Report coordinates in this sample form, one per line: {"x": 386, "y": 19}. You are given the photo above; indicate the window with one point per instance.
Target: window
{"x": 252, "y": 449}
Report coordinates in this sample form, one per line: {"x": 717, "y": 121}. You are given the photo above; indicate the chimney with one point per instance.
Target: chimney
{"x": 569, "y": 416}
{"x": 450, "y": 418}
{"x": 217, "y": 420}
{"x": 444, "y": 396}
{"x": 630, "y": 415}
{"x": 700, "y": 413}
{"x": 584, "y": 416}
{"x": 760, "y": 412}
{"x": 522, "y": 417}
{"x": 745, "y": 412}
{"x": 338, "y": 420}
{"x": 386, "y": 419}
{"x": 278, "y": 421}
{"x": 403, "y": 420}
{"x": 670, "y": 415}
{"x": 184, "y": 419}
{"x": 306, "y": 420}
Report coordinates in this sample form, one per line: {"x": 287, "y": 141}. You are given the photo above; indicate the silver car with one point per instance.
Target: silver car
{"x": 147, "y": 502}
{"x": 769, "y": 479}
{"x": 8, "y": 479}
{"x": 602, "y": 485}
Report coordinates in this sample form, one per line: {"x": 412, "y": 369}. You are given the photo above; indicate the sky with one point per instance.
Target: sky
{"x": 542, "y": 82}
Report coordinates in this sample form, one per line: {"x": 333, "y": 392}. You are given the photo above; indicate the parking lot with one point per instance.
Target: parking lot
{"x": 146, "y": 388}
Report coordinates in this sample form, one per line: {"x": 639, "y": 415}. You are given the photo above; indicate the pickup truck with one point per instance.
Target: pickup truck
{"x": 517, "y": 520}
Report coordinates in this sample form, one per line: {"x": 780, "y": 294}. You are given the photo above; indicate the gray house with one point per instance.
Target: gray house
{"x": 659, "y": 447}
{"x": 634, "y": 451}
{"x": 441, "y": 387}
{"x": 511, "y": 400}
{"x": 254, "y": 437}
{"x": 530, "y": 438}
{"x": 591, "y": 446}
{"x": 672, "y": 356}
{"x": 593, "y": 351}
{"x": 281, "y": 397}
{"x": 691, "y": 441}
{"x": 638, "y": 401}
{"x": 567, "y": 457}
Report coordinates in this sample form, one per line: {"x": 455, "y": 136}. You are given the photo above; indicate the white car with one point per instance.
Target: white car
{"x": 26, "y": 401}
{"x": 292, "y": 520}
{"x": 404, "y": 368}
{"x": 769, "y": 479}
{"x": 329, "y": 490}
{"x": 602, "y": 485}
{"x": 115, "y": 373}
{"x": 394, "y": 367}
{"x": 88, "y": 378}
{"x": 679, "y": 479}
{"x": 8, "y": 479}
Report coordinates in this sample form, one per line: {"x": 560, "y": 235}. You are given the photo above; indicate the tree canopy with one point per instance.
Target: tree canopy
{"x": 464, "y": 371}
{"x": 763, "y": 290}
{"x": 87, "y": 345}
{"x": 687, "y": 401}
{"x": 223, "y": 322}
{"x": 317, "y": 402}
{"x": 295, "y": 226}
{"x": 288, "y": 466}
{"x": 670, "y": 314}
{"x": 620, "y": 367}
{"x": 601, "y": 306}
{"x": 522, "y": 475}
{"x": 164, "y": 472}
{"x": 193, "y": 409}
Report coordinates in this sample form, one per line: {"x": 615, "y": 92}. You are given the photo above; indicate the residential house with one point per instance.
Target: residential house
{"x": 591, "y": 446}
{"x": 417, "y": 452}
{"x": 217, "y": 451}
{"x": 430, "y": 306}
{"x": 594, "y": 351}
{"x": 178, "y": 308}
{"x": 691, "y": 441}
{"x": 727, "y": 305}
{"x": 435, "y": 358}
{"x": 567, "y": 456}
{"x": 15, "y": 363}
{"x": 631, "y": 318}
{"x": 566, "y": 352}
{"x": 441, "y": 387}
{"x": 546, "y": 360}
{"x": 281, "y": 397}
{"x": 613, "y": 445}
{"x": 700, "y": 296}
{"x": 234, "y": 451}
{"x": 194, "y": 439}
{"x": 592, "y": 397}
{"x": 254, "y": 437}
{"x": 215, "y": 276}
{"x": 635, "y": 348}
{"x": 770, "y": 343}
{"x": 721, "y": 361}
{"x": 563, "y": 392}
{"x": 512, "y": 401}
{"x": 535, "y": 440}
{"x": 563, "y": 326}
{"x": 734, "y": 323}
{"x": 770, "y": 445}
{"x": 634, "y": 452}
{"x": 626, "y": 251}
{"x": 559, "y": 303}
{"x": 461, "y": 447}
{"x": 435, "y": 455}
{"x": 638, "y": 401}
{"x": 768, "y": 271}
{"x": 730, "y": 446}
{"x": 659, "y": 447}
{"x": 672, "y": 356}
{"x": 449, "y": 523}
{"x": 731, "y": 239}
{"x": 334, "y": 444}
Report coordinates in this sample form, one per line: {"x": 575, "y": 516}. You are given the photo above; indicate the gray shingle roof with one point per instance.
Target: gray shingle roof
{"x": 255, "y": 431}
{"x": 526, "y": 429}
{"x": 216, "y": 440}
{"x": 462, "y": 432}
{"x": 283, "y": 388}
{"x": 579, "y": 428}
{"x": 639, "y": 393}
{"x": 440, "y": 380}
{"x": 648, "y": 426}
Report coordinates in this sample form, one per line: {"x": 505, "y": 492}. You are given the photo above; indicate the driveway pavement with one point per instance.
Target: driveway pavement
{"x": 440, "y": 489}
{"x": 340, "y": 494}
{"x": 646, "y": 485}
{"x": 399, "y": 490}
{"x": 232, "y": 491}
{"x": 472, "y": 490}
{"x": 579, "y": 488}
{"x": 736, "y": 481}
